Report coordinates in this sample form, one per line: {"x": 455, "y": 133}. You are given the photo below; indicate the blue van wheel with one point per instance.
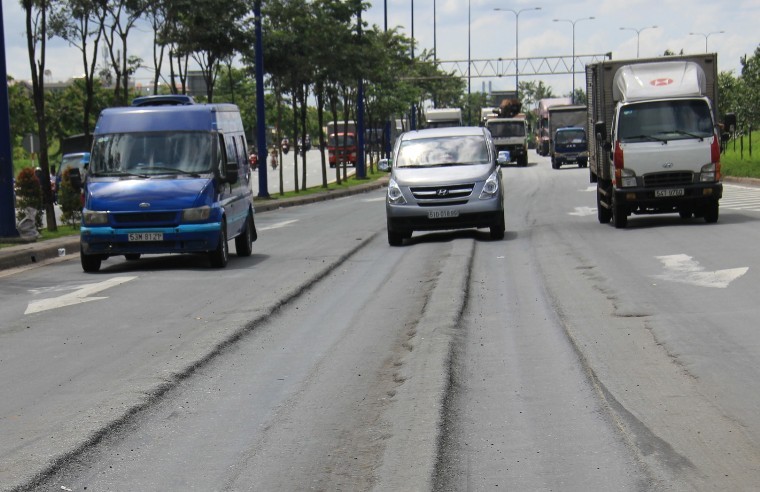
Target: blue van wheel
{"x": 244, "y": 242}
{"x": 221, "y": 254}
{"x": 90, "y": 263}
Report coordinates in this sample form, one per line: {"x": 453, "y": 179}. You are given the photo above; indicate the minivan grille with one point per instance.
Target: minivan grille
{"x": 676, "y": 178}
{"x": 442, "y": 195}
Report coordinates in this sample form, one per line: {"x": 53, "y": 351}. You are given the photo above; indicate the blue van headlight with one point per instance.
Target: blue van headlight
{"x": 94, "y": 217}
{"x": 198, "y": 214}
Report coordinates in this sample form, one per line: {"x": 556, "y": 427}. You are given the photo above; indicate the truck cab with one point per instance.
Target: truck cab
{"x": 660, "y": 151}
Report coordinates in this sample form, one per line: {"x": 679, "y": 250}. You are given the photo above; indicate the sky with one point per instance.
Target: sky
{"x": 492, "y": 33}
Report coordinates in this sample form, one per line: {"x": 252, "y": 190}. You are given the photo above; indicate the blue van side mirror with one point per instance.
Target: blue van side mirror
{"x": 231, "y": 172}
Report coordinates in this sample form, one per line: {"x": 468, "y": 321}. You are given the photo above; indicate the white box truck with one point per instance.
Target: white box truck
{"x": 653, "y": 140}
{"x": 443, "y": 117}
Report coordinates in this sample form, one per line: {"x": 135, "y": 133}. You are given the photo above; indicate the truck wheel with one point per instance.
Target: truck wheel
{"x": 619, "y": 214}
{"x": 523, "y": 161}
{"x": 220, "y": 256}
{"x": 604, "y": 214}
{"x": 90, "y": 263}
{"x": 711, "y": 212}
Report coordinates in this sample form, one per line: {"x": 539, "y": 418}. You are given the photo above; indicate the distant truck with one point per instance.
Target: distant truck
{"x": 542, "y": 123}
{"x": 341, "y": 143}
{"x": 569, "y": 146}
{"x": 509, "y": 130}
{"x": 654, "y": 144}
{"x": 443, "y": 117}
{"x": 572, "y": 147}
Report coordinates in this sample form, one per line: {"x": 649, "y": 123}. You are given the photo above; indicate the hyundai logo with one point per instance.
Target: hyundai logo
{"x": 667, "y": 165}
{"x": 144, "y": 205}
{"x": 442, "y": 192}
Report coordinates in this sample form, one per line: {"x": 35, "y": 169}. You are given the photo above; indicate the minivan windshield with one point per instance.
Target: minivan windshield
{"x": 123, "y": 154}
{"x": 665, "y": 120}
{"x": 443, "y": 151}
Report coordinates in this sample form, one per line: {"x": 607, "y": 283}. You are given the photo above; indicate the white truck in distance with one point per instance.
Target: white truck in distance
{"x": 653, "y": 141}
{"x": 443, "y": 117}
{"x": 511, "y": 134}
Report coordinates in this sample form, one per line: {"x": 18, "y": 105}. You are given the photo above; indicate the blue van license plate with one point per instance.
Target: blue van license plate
{"x": 146, "y": 236}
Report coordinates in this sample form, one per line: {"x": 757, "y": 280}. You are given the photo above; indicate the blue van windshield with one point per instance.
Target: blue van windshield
{"x": 123, "y": 154}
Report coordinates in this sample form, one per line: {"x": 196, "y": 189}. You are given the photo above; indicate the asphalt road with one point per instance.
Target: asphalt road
{"x": 569, "y": 356}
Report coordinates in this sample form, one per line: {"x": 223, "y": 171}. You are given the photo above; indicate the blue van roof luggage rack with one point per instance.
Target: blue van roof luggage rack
{"x": 164, "y": 100}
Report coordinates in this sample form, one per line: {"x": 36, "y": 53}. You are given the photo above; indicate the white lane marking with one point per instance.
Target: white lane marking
{"x": 79, "y": 296}
{"x": 278, "y": 225}
{"x": 685, "y": 269}
{"x": 583, "y": 211}
{"x": 378, "y": 199}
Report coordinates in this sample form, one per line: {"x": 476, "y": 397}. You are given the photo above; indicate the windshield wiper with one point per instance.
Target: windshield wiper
{"x": 644, "y": 137}
{"x": 175, "y": 170}
{"x": 688, "y": 134}
{"x": 117, "y": 173}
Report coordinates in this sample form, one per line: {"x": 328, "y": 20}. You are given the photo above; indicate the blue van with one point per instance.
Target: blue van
{"x": 167, "y": 178}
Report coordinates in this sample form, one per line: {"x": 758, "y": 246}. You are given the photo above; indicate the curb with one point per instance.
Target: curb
{"x": 30, "y": 253}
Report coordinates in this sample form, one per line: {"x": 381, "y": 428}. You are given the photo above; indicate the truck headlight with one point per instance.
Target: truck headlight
{"x": 394, "y": 193}
{"x": 707, "y": 173}
{"x": 93, "y": 217}
{"x": 197, "y": 214}
{"x": 627, "y": 178}
{"x": 491, "y": 186}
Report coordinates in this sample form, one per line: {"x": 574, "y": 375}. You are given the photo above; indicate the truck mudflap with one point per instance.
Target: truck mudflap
{"x": 693, "y": 198}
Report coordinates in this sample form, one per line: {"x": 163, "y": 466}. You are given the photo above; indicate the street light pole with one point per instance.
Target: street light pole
{"x": 573, "y": 22}
{"x": 517, "y": 52}
{"x": 638, "y": 34}
{"x": 705, "y": 35}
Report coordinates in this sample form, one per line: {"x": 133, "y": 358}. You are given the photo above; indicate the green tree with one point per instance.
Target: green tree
{"x": 76, "y": 21}
{"x": 37, "y": 34}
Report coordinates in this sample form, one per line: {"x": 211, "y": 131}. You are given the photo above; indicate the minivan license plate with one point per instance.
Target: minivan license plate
{"x": 146, "y": 236}
{"x": 669, "y": 192}
{"x": 442, "y": 214}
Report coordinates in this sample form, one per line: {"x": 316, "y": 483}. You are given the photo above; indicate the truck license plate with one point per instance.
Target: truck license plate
{"x": 146, "y": 236}
{"x": 442, "y": 214}
{"x": 669, "y": 192}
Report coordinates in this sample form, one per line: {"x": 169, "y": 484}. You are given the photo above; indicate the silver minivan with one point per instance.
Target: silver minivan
{"x": 444, "y": 178}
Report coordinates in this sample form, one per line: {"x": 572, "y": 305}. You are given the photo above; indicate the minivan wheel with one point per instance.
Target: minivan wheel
{"x": 220, "y": 256}
{"x": 498, "y": 228}
{"x": 395, "y": 238}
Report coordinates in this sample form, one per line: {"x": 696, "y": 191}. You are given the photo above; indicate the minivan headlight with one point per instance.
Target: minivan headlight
{"x": 197, "y": 214}
{"x": 94, "y": 217}
{"x": 394, "y": 193}
{"x": 491, "y": 186}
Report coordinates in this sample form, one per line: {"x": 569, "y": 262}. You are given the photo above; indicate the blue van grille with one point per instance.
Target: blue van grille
{"x": 139, "y": 218}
